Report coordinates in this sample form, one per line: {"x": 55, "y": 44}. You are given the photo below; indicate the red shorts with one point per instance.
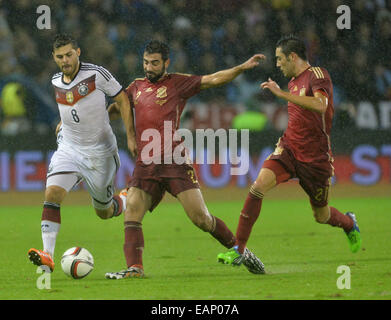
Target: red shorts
{"x": 156, "y": 179}
{"x": 314, "y": 178}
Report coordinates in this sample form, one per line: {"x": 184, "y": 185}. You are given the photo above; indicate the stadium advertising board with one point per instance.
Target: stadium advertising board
{"x": 365, "y": 165}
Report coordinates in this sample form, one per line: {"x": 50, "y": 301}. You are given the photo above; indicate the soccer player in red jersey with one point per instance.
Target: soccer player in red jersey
{"x": 158, "y": 99}
{"x": 304, "y": 150}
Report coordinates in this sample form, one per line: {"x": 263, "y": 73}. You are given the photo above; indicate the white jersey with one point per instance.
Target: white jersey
{"x": 82, "y": 104}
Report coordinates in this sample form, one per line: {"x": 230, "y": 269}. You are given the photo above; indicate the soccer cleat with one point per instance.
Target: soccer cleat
{"x": 252, "y": 262}
{"x": 249, "y": 260}
{"x": 41, "y": 258}
{"x": 131, "y": 272}
{"x": 354, "y": 235}
{"x": 232, "y": 257}
{"x": 123, "y": 194}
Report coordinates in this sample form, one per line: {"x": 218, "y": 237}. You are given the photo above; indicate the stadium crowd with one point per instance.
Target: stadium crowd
{"x": 204, "y": 35}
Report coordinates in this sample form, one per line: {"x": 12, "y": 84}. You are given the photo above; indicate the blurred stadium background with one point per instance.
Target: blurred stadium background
{"x": 205, "y": 36}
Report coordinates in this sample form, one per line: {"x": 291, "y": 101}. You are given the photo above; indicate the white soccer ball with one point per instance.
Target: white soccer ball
{"x": 77, "y": 262}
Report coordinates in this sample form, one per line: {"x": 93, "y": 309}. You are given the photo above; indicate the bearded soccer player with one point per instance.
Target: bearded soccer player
{"x": 304, "y": 150}
{"x": 87, "y": 147}
{"x": 158, "y": 99}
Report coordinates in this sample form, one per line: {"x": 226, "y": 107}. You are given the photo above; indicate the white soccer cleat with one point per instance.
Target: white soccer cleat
{"x": 131, "y": 272}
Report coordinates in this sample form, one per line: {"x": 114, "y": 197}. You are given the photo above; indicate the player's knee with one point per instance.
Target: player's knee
{"x": 321, "y": 216}
{"x": 55, "y": 194}
{"x": 134, "y": 210}
{"x": 259, "y": 188}
{"x": 201, "y": 221}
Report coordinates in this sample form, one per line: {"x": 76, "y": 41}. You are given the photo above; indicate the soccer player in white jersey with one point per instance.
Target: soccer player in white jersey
{"x": 87, "y": 147}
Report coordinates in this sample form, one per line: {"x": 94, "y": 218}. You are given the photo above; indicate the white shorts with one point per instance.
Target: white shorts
{"x": 67, "y": 169}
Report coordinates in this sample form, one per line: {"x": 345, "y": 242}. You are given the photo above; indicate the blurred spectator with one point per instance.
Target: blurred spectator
{"x": 361, "y": 78}
{"x": 15, "y": 115}
{"x": 233, "y": 52}
{"x": 204, "y": 43}
{"x": 383, "y": 82}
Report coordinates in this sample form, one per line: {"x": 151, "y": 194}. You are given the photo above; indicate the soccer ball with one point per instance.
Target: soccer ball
{"x": 77, "y": 262}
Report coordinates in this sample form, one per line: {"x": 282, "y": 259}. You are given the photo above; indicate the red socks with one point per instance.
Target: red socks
{"x": 223, "y": 234}
{"x": 247, "y": 218}
{"x": 51, "y": 212}
{"x": 338, "y": 219}
{"x": 134, "y": 244}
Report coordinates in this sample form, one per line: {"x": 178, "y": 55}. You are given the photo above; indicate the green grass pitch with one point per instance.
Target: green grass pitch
{"x": 301, "y": 257}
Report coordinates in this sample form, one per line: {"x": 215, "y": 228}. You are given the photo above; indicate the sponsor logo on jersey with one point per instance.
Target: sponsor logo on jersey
{"x": 69, "y": 97}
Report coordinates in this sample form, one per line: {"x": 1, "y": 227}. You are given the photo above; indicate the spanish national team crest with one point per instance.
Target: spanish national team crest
{"x": 69, "y": 97}
{"x": 161, "y": 92}
{"x": 82, "y": 89}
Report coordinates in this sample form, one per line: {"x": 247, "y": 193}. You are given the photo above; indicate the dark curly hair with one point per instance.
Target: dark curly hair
{"x": 156, "y": 46}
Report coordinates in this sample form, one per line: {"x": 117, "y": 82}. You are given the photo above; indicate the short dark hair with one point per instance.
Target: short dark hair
{"x": 156, "y": 46}
{"x": 62, "y": 39}
{"x": 291, "y": 43}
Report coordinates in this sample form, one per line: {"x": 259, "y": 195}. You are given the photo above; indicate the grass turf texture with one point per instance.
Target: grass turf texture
{"x": 301, "y": 256}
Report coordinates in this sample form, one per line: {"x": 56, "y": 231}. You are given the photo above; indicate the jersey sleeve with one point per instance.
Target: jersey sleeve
{"x": 129, "y": 92}
{"x": 107, "y": 83}
{"x": 187, "y": 85}
{"x": 320, "y": 81}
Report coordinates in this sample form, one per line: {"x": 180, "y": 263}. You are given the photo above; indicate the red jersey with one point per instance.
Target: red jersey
{"x": 156, "y": 103}
{"x": 308, "y": 132}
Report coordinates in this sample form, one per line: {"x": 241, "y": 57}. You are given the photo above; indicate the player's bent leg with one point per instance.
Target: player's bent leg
{"x": 270, "y": 175}
{"x": 195, "y": 208}
{"x": 348, "y": 222}
{"x": 138, "y": 203}
{"x": 50, "y": 226}
{"x": 106, "y": 211}
{"x": 265, "y": 181}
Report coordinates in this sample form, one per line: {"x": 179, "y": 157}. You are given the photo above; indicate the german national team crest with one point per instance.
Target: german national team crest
{"x": 69, "y": 97}
{"x": 161, "y": 92}
{"x": 82, "y": 89}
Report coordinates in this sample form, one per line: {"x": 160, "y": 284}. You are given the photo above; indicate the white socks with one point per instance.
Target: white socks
{"x": 49, "y": 235}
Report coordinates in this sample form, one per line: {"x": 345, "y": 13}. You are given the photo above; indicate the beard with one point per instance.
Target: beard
{"x": 154, "y": 77}
{"x": 68, "y": 70}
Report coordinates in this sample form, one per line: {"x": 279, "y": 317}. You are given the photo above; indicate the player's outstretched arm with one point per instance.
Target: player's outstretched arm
{"x": 224, "y": 76}
{"x": 123, "y": 105}
{"x": 317, "y": 103}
